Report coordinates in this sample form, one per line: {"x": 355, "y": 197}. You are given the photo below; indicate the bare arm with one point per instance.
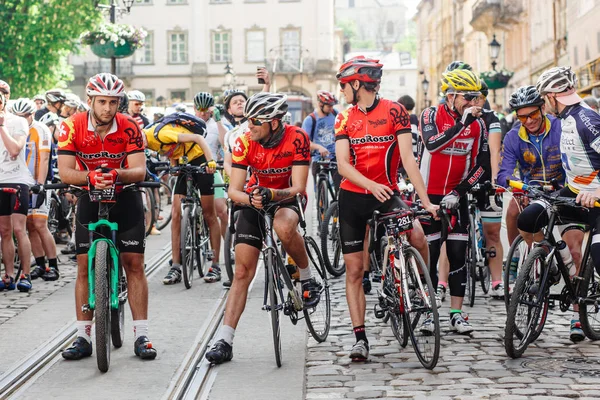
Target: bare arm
{"x": 237, "y": 180}
{"x": 68, "y": 173}
{"x": 136, "y": 169}
{"x": 13, "y": 145}
{"x": 227, "y": 162}
{"x": 299, "y": 178}
{"x": 43, "y": 167}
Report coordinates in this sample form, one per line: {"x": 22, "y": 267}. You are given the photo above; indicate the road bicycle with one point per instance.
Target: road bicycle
{"x": 163, "y": 196}
{"x": 107, "y": 286}
{"x": 543, "y": 268}
{"x": 406, "y": 294}
{"x": 326, "y": 191}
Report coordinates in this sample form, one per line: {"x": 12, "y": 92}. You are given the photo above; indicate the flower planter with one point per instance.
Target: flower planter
{"x": 112, "y": 49}
{"x": 498, "y": 80}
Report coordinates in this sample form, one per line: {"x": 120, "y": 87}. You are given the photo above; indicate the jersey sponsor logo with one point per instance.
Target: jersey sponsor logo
{"x": 101, "y": 155}
{"x": 273, "y": 171}
{"x": 373, "y": 139}
{"x": 115, "y": 140}
{"x": 65, "y": 137}
{"x": 377, "y": 122}
{"x": 459, "y": 147}
{"x": 356, "y": 126}
{"x": 476, "y": 176}
{"x": 128, "y": 243}
{"x": 428, "y": 115}
{"x": 466, "y": 132}
{"x": 259, "y": 157}
{"x": 596, "y": 145}
{"x": 428, "y": 128}
{"x": 399, "y": 115}
{"x": 284, "y": 154}
{"x": 588, "y": 122}
{"x": 240, "y": 148}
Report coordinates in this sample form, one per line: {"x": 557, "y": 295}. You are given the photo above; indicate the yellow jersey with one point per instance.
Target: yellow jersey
{"x": 165, "y": 143}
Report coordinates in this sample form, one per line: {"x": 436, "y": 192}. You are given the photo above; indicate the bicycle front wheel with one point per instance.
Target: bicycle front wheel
{"x": 397, "y": 323}
{"x": 420, "y": 305}
{"x": 322, "y": 201}
{"x": 331, "y": 245}
{"x": 203, "y": 253}
{"x": 273, "y": 304}
{"x": 163, "y": 206}
{"x": 471, "y": 263}
{"x": 228, "y": 247}
{"x": 318, "y": 318}
{"x": 188, "y": 246}
{"x": 102, "y": 308}
{"x": 149, "y": 209}
{"x": 528, "y": 305}
{"x": 517, "y": 253}
{"x": 589, "y": 290}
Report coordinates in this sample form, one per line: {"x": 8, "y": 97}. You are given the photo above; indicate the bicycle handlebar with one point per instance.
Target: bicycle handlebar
{"x": 535, "y": 192}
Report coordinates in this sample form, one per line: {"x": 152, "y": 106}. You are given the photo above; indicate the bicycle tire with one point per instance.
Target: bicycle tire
{"x": 589, "y": 289}
{"x": 102, "y": 308}
{"x": 523, "y": 287}
{"x": 331, "y": 246}
{"x": 228, "y": 245}
{"x": 421, "y": 341}
{"x": 117, "y": 317}
{"x": 149, "y": 213}
{"x": 518, "y": 246}
{"x": 187, "y": 246}
{"x": 322, "y": 202}
{"x": 271, "y": 278}
{"x": 471, "y": 262}
{"x": 203, "y": 246}
{"x": 318, "y": 319}
{"x": 53, "y": 213}
{"x": 165, "y": 194}
{"x": 397, "y": 322}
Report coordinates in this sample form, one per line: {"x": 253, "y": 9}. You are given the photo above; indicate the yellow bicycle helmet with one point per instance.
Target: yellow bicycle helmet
{"x": 460, "y": 80}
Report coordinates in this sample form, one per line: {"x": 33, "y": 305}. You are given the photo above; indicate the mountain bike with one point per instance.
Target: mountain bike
{"x": 107, "y": 286}
{"x": 406, "y": 294}
{"x": 542, "y": 269}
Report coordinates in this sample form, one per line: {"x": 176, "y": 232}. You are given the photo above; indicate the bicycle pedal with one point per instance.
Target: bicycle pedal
{"x": 379, "y": 313}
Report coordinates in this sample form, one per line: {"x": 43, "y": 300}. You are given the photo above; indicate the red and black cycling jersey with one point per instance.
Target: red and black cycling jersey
{"x": 272, "y": 168}
{"x": 373, "y": 137}
{"x": 454, "y": 154}
{"x": 78, "y": 138}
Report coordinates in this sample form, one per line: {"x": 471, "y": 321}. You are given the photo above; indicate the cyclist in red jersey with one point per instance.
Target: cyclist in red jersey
{"x": 278, "y": 155}
{"x": 455, "y": 151}
{"x": 372, "y": 140}
{"x": 98, "y": 148}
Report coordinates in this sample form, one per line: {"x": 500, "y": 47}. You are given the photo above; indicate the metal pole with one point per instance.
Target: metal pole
{"x": 113, "y": 19}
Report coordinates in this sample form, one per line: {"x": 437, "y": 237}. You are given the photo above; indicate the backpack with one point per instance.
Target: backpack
{"x": 185, "y": 120}
{"x": 314, "y": 122}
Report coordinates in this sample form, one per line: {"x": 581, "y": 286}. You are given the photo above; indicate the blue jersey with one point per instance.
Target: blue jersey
{"x": 580, "y": 147}
{"x": 321, "y": 131}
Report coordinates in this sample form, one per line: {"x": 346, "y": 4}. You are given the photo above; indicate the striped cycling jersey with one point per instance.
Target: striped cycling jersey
{"x": 38, "y": 141}
{"x": 580, "y": 147}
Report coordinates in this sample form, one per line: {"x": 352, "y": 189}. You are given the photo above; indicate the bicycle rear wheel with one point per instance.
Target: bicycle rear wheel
{"x": 273, "y": 304}
{"x": 589, "y": 290}
{"x": 331, "y": 246}
{"x": 228, "y": 247}
{"x": 422, "y": 305}
{"x": 149, "y": 209}
{"x": 117, "y": 317}
{"x": 518, "y": 251}
{"x": 102, "y": 308}
{"x": 322, "y": 201}
{"x": 188, "y": 246}
{"x": 203, "y": 253}
{"x": 318, "y": 318}
{"x": 471, "y": 263}
{"x": 53, "y": 215}
{"x": 163, "y": 209}
{"x": 528, "y": 305}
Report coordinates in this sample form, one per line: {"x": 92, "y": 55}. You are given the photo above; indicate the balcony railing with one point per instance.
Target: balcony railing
{"x": 291, "y": 60}
{"x": 124, "y": 68}
{"x": 588, "y": 77}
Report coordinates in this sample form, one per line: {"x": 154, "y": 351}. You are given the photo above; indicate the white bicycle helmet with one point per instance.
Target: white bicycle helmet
{"x": 105, "y": 84}
{"x": 55, "y": 96}
{"x": 136, "y": 95}
{"x": 556, "y": 80}
{"x": 267, "y": 106}
{"x": 39, "y": 97}
{"x": 50, "y": 119}
{"x": 23, "y": 106}
{"x": 72, "y": 100}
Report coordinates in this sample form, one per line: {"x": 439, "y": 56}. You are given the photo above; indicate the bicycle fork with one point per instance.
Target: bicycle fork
{"x": 113, "y": 278}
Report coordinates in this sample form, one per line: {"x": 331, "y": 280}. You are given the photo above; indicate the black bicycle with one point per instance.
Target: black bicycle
{"x": 326, "y": 191}
{"x": 543, "y": 268}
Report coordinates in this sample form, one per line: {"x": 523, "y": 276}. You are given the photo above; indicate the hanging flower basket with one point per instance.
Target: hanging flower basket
{"x": 497, "y": 79}
{"x": 114, "y": 40}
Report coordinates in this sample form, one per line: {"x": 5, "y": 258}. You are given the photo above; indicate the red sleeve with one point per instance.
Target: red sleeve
{"x": 301, "y": 148}
{"x": 239, "y": 152}
{"x": 340, "y": 125}
{"x": 66, "y": 137}
{"x": 400, "y": 118}
{"x": 135, "y": 144}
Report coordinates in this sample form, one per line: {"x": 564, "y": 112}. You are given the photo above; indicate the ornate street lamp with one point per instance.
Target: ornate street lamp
{"x": 112, "y": 10}
{"x": 494, "y": 51}
{"x": 128, "y": 4}
{"x": 229, "y": 76}
{"x": 425, "y": 86}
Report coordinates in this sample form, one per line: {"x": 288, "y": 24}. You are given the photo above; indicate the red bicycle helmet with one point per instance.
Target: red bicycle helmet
{"x": 327, "y": 98}
{"x": 361, "y": 69}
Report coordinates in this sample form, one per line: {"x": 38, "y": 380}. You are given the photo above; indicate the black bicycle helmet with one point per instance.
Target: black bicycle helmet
{"x": 525, "y": 96}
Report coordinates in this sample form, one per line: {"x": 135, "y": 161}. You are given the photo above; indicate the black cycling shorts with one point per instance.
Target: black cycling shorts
{"x": 249, "y": 227}
{"x": 8, "y": 200}
{"x": 203, "y": 182}
{"x": 127, "y": 212}
{"x": 488, "y": 214}
{"x": 355, "y": 210}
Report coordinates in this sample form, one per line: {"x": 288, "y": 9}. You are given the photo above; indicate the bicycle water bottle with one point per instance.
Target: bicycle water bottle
{"x": 567, "y": 258}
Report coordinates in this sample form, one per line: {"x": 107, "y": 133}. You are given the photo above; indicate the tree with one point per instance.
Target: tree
{"x": 36, "y": 39}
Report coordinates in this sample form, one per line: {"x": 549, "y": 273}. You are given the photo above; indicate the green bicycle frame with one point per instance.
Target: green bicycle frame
{"x": 114, "y": 255}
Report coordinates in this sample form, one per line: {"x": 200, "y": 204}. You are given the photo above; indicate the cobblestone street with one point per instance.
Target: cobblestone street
{"x": 470, "y": 367}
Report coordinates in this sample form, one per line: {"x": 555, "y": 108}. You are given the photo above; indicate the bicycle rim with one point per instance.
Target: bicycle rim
{"x": 102, "y": 309}
{"x": 528, "y": 306}
{"x": 273, "y": 304}
{"x": 318, "y": 318}
{"x": 187, "y": 247}
{"x": 422, "y": 298}
{"x": 589, "y": 290}
{"x": 518, "y": 249}
{"x": 322, "y": 201}
{"x": 397, "y": 322}
{"x": 163, "y": 206}
{"x": 331, "y": 248}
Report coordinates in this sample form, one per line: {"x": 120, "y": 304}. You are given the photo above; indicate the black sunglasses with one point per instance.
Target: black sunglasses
{"x": 470, "y": 96}
{"x": 342, "y": 85}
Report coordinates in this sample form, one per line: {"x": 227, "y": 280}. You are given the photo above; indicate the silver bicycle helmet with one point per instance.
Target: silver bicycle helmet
{"x": 556, "y": 80}
{"x": 525, "y": 96}
{"x": 136, "y": 95}
{"x": 23, "y": 106}
{"x": 266, "y": 106}
{"x": 50, "y": 119}
{"x": 203, "y": 100}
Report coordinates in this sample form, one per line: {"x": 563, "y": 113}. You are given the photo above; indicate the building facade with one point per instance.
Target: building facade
{"x": 191, "y": 42}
